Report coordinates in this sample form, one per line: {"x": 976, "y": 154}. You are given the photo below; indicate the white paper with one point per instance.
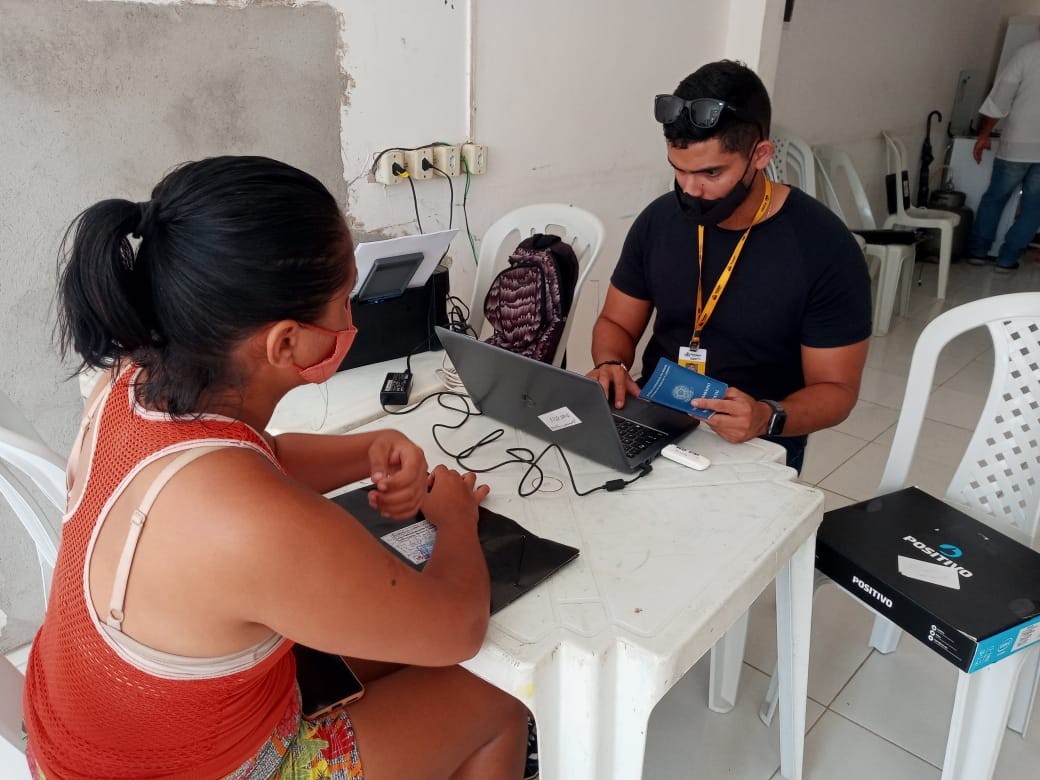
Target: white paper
{"x": 1026, "y": 636}
{"x": 414, "y": 542}
{"x": 558, "y": 419}
{"x": 432, "y": 245}
{"x": 933, "y": 573}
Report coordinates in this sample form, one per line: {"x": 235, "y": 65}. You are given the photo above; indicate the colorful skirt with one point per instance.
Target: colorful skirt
{"x": 298, "y": 749}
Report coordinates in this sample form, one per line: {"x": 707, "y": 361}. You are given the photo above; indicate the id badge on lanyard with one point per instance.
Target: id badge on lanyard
{"x": 694, "y": 358}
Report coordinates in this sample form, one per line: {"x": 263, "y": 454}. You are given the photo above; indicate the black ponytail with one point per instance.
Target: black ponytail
{"x": 227, "y": 245}
{"x": 101, "y": 290}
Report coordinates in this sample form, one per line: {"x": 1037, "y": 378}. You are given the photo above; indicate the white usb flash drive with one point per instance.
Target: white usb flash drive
{"x": 685, "y": 457}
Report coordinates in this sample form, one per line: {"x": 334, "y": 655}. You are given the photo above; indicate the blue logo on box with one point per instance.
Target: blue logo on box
{"x": 951, "y": 550}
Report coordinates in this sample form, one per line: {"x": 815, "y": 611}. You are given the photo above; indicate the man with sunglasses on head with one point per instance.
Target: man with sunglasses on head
{"x": 753, "y": 283}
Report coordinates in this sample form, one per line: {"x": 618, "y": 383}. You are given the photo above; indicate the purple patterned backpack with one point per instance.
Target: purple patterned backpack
{"x": 528, "y": 303}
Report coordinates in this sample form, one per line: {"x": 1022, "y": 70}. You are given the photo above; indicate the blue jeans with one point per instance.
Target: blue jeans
{"x": 1007, "y": 177}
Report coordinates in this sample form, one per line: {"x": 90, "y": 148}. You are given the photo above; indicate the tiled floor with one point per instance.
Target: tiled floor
{"x": 870, "y": 716}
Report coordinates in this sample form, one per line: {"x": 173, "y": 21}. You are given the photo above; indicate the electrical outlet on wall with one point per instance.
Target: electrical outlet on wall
{"x": 446, "y": 157}
{"x": 475, "y": 158}
{"x": 384, "y": 169}
{"x": 413, "y": 162}
{"x": 452, "y": 159}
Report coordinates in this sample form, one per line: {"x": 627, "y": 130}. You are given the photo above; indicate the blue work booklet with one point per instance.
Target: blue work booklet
{"x": 675, "y": 386}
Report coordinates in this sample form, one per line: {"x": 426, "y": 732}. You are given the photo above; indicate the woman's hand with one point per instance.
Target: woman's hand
{"x": 453, "y": 497}
{"x": 399, "y": 473}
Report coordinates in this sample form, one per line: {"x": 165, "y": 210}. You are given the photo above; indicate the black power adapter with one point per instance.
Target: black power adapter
{"x": 396, "y": 388}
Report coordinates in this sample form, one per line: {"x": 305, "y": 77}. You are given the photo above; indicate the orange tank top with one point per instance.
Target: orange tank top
{"x": 88, "y": 712}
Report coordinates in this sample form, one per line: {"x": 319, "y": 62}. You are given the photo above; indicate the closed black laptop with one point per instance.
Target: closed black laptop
{"x": 562, "y": 407}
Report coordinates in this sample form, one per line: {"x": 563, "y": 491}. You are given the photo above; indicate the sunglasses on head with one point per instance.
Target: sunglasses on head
{"x": 703, "y": 112}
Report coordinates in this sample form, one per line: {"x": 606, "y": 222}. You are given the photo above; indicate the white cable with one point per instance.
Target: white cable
{"x": 449, "y": 376}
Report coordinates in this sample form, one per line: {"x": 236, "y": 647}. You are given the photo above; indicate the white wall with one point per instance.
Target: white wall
{"x": 1018, "y": 8}
{"x": 562, "y": 98}
{"x": 562, "y": 95}
{"x": 1027, "y": 26}
{"x": 849, "y": 70}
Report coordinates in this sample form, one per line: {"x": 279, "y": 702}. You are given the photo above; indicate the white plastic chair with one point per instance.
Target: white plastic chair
{"x": 579, "y": 228}
{"x": 906, "y": 216}
{"x": 995, "y": 483}
{"x": 792, "y": 162}
{"x": 892, "y": 250}
{"x": 11, "y": 684}
{"x": 23, "y": 452}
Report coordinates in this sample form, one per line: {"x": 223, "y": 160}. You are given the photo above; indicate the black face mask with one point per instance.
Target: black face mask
{"x": 712, "y": 211}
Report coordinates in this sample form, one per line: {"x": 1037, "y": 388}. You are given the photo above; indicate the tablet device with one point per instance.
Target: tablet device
{"x": 389, "y": 277}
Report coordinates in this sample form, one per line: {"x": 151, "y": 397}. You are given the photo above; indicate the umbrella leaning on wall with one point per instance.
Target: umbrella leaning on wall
{"x": 927, "y": 158}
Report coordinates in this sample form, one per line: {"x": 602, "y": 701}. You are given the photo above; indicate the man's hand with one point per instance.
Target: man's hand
{"x": 614, "y": 338}
{"x": 616, "y": 383}
{"x": 981, "y": 145}
{"x": 738, "y": 417}
{"x": 399, "y": 473}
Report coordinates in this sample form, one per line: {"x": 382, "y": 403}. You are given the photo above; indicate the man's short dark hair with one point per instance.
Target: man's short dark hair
{"x": 739, "y": 86}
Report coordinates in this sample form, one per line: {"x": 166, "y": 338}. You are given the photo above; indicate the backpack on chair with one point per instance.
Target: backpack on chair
{"x": 528, "y": 303}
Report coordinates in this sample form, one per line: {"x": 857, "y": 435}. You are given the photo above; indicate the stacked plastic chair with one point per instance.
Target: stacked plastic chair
{"x": 894, "y": 250}
{"x": 901, "y": 214}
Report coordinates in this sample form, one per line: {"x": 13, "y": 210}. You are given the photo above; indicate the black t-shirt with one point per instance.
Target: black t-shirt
{"x": 801, "y": 279}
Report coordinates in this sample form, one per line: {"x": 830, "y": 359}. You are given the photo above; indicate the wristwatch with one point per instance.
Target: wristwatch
{"x": 777, "y": 419}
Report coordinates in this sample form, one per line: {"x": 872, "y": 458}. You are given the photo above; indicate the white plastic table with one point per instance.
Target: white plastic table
{"x": 666, "y": 567}
{"x": 350, "y": 398}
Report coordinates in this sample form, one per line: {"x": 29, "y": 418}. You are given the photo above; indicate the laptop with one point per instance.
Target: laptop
{"x": 562, "y": 407}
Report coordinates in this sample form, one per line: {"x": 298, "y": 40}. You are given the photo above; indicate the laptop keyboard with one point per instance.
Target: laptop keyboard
{"x": 635, "y": 437}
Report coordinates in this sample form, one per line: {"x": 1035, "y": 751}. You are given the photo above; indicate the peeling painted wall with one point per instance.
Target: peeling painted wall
{"x": 99, "y": 99}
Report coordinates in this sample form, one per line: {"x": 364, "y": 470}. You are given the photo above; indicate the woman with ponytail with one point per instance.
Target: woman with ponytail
{"x": 197, "y": 549}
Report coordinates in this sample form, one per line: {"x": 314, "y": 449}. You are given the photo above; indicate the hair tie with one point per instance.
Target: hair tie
{"x": 147, "y": 213}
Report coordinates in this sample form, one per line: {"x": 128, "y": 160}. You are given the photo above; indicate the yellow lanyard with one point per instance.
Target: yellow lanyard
{"x": 704, "y": 312}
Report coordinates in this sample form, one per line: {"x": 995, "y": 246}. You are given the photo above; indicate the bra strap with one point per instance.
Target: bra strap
{"x": 114, "y": 618}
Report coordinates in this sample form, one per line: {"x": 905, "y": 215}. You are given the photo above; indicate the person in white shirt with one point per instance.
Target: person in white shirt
{"x": 1015, "y": 98}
